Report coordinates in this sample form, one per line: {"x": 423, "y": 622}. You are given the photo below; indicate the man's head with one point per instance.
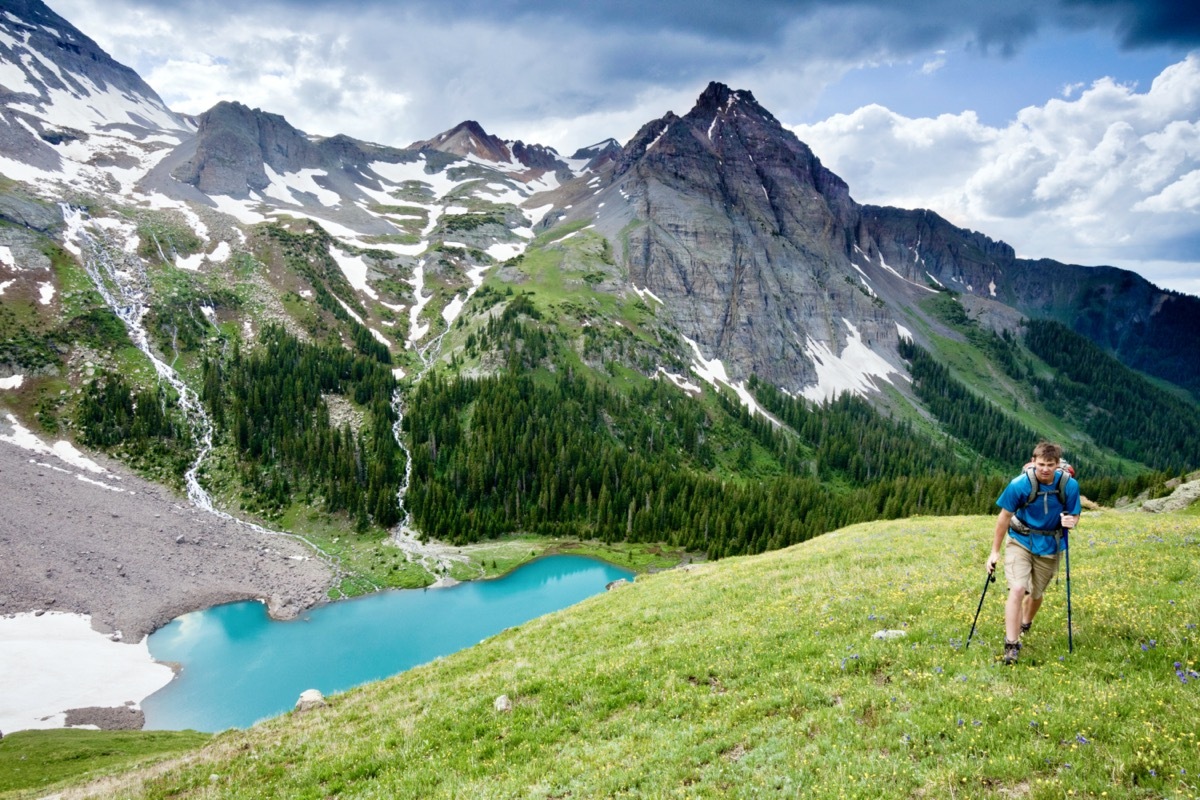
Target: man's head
{"x": 1046, "y": 456}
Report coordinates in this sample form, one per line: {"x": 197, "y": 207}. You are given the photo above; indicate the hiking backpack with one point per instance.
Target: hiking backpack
{"x": 1063, "y": 474}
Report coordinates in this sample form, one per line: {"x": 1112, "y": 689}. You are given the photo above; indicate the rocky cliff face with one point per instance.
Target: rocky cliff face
{"x": 1147, "y": 328}
{"x": 62, "y": 88}
{"x": 737, "y": 227}
{"x": 467, "y": 139}
{"x": 234, "y": 145}
{"x": 760, "y": 256}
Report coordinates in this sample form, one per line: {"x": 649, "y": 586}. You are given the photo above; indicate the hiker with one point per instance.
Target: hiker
{"x": 1033, "y": 517}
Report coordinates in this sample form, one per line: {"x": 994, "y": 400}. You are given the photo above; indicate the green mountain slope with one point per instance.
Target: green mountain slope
{"x": 559, "y": 401}
{"x": 762, "y": 676}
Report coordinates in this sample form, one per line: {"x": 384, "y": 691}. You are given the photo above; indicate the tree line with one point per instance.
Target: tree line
{"x": 1116, "y": 406}
{"x": 515, "y": 452}
{"x": 270, "y": 405}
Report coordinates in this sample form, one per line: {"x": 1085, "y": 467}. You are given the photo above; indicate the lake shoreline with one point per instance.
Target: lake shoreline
{"x": 86, "y": 536}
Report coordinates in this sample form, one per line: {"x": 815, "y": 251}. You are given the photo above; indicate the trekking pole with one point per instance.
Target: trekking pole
{"x": 1067, "y": 554}
{"x": 991, "y": 578}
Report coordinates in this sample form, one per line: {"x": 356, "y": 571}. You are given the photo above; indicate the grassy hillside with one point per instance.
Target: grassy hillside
{"x": 761, "y": 676}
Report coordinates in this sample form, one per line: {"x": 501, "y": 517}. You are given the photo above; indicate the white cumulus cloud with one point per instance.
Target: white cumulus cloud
{"x": 1111, "y": 176}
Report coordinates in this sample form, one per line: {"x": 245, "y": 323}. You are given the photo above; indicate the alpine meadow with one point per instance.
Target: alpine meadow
{"x": 691, "y": 354}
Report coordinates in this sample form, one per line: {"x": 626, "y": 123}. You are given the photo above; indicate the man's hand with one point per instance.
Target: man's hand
{"x": 1070, "y": 520}
{"x": 991, "y": 562}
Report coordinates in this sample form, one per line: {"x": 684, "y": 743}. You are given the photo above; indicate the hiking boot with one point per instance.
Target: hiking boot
{"x": 1025, "y": 626}
{"x": 1011, "y": 651}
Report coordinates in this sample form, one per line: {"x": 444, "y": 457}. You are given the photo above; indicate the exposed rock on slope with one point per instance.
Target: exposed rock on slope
{"x": 744, "y": 235}
{"x": 136, "y": 558}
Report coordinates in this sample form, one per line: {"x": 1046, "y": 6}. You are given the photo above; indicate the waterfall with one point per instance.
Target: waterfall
{"x": 124, "y": 285}
{"x": 435, "y": 559}
{"x": 120, "y": 278}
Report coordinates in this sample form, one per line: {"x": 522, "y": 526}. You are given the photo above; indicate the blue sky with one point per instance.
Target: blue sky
{"x": 1068, "y": 128}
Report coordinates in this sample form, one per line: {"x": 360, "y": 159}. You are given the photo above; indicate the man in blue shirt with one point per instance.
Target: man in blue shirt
{"x": 1036, "y": 530}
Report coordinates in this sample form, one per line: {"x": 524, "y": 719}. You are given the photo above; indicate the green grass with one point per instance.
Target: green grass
{"x": 34, "y": 761}
{"x": 760, "y": 676}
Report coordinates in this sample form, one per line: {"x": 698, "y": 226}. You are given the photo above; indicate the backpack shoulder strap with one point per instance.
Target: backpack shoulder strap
{"x": 1060, "y": 486}
{"x": 1033, "y": 485}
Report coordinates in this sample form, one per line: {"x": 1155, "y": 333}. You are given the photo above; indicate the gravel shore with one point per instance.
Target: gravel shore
{"x": 130, "y": 553}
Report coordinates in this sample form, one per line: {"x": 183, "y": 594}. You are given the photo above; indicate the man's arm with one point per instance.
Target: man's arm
{"x": 1002, "y": 521}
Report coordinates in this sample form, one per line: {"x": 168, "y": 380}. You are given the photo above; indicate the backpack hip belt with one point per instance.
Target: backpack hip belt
{"x": 1016, "y": 524}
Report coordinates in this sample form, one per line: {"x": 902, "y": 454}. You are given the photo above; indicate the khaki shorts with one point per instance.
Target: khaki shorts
{"x": 1030, "y": 572}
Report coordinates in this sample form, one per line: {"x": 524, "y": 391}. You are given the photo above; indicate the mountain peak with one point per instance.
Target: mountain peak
{"x": 234, "y": 142}
{"x": 720, "y": 99}
{"x": 468, "y": 138}
{"x": 65, "y": 80}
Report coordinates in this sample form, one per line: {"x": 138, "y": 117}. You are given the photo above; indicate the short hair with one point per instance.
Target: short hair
{"x": 1048, "y": 451}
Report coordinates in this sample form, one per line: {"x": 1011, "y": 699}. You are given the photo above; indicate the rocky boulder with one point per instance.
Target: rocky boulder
{"x": 310, "y": 699}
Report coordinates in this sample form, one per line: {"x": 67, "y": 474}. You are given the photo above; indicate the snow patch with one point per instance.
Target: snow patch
{"x": 713, "y": 372}
{"x": 190, "y": 263}
{"x": 503, "y": 252}
{"x": 680, "y": 381}
{"x": 101, "y": 484}
{"x": 904, "y": 332}
{"x": 853, "y": 371}
{"x": 863, "y": 278}
{"x": 453, "y": 308}
{"x": 304, "y": 181}
{"x": 60, "y": 663}
{"x": 24, "y": 438}
{"x": 221, "y": 253}
{"x": 661, "y": 134}
{"x": 355, "y": 270}
{"x": 417, "y": 331}
{"x": 238, "y": 209}
{"x": 349, "y": 310}
{"x": 12, "y": 382}
{"x": 414, "y": 171}
{"x": 644, "y": 293}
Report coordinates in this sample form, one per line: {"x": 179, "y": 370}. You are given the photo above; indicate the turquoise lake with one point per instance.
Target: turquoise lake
{"x": 239, "y": 666}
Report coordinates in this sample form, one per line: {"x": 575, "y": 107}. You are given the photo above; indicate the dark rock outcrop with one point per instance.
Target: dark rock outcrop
{"x": 234, "y": 143}
{"x": 467, "y": 139}
{"x": 742, "y": 233}
{"x": 761, "y": 257}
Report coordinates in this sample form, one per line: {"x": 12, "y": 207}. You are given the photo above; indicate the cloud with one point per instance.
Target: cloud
{"x": 1100, "y": 174}
{"x": 396, "y": 72}
{"x": 1112, "y": 176}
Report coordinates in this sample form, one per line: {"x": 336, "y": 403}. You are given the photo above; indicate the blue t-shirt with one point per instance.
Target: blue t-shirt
{"x": 1042, "y": 514}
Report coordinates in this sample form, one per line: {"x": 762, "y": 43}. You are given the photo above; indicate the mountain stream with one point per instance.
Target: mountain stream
{"x": 121, "y": 280}
{"x": 436, "y": 559}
